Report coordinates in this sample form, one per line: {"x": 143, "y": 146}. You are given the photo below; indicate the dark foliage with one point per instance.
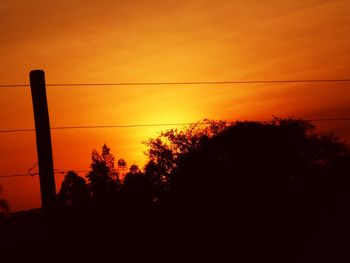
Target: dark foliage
{"x": 74, "y": 191}
{"x": 4, "y": 207}
{"x": 247, "y": 192}
{"x": 138, "y": 189}
{"x": 104, "y": 178}
{"x": 265, "y": 186}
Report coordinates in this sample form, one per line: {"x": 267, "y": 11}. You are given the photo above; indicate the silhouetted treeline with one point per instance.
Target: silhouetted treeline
{"x": 248, "y": 191}
{"x": 206, "y": 162}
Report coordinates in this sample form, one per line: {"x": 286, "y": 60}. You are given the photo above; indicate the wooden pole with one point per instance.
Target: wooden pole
{"x": 43, "y": 139}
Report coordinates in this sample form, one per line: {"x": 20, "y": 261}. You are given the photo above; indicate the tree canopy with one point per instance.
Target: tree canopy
{"x": 212, "y": 162}
{"x": 74, "y": 191}
{"x": 104, "y": 177}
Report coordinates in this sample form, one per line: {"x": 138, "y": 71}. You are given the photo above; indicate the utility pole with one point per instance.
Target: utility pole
{"x": 43, "y": 139}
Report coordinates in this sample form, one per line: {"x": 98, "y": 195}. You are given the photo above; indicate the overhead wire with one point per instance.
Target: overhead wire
{"x": 183, "y": 83}
{"x": 155, "y": 125}
{"x": 56, "y": 171}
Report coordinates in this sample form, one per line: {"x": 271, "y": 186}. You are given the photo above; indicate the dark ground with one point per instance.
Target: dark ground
{"x": 158, "y": 236}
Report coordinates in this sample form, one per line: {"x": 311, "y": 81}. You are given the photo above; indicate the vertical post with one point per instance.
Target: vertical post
{"x": 43, "y": 139}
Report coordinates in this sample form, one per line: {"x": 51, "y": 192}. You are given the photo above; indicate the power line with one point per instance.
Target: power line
{"x": 182, "y": 83}
{"x": 153, "y": 125}
{"x": 33, "y": 174}
{"x": 14, "y": 175}
{"x": 98, "y": 127}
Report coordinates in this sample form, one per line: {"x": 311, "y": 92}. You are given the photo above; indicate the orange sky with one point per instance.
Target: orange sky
{"x": 79, "y": 41}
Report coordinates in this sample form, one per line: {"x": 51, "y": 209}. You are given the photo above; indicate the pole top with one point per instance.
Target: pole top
{"x": 36, "y": 72}
{"x": 37, "y": 75}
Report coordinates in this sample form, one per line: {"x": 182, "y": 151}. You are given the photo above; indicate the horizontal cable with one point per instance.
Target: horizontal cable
{"x": 14, "y": 175}
{"x": 98, "y": 127}
{"x": 153, "y": 125}
{"x": 33, "y": 174}
{"x": 182, "y": 83}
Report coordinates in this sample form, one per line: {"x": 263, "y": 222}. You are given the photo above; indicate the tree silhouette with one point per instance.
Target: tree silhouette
{"x": 74, "y": 191}
{"x": 121, "y": 163}
{"x": 138, "y": 188}
{"x": 103, "y": 177}
{"x": 169, "y": 147}
{"x": 262, "y": 182}
{"x": 4, "y": 206}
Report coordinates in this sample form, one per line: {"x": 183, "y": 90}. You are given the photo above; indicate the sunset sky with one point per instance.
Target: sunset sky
{"x": 86, "y": 41}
